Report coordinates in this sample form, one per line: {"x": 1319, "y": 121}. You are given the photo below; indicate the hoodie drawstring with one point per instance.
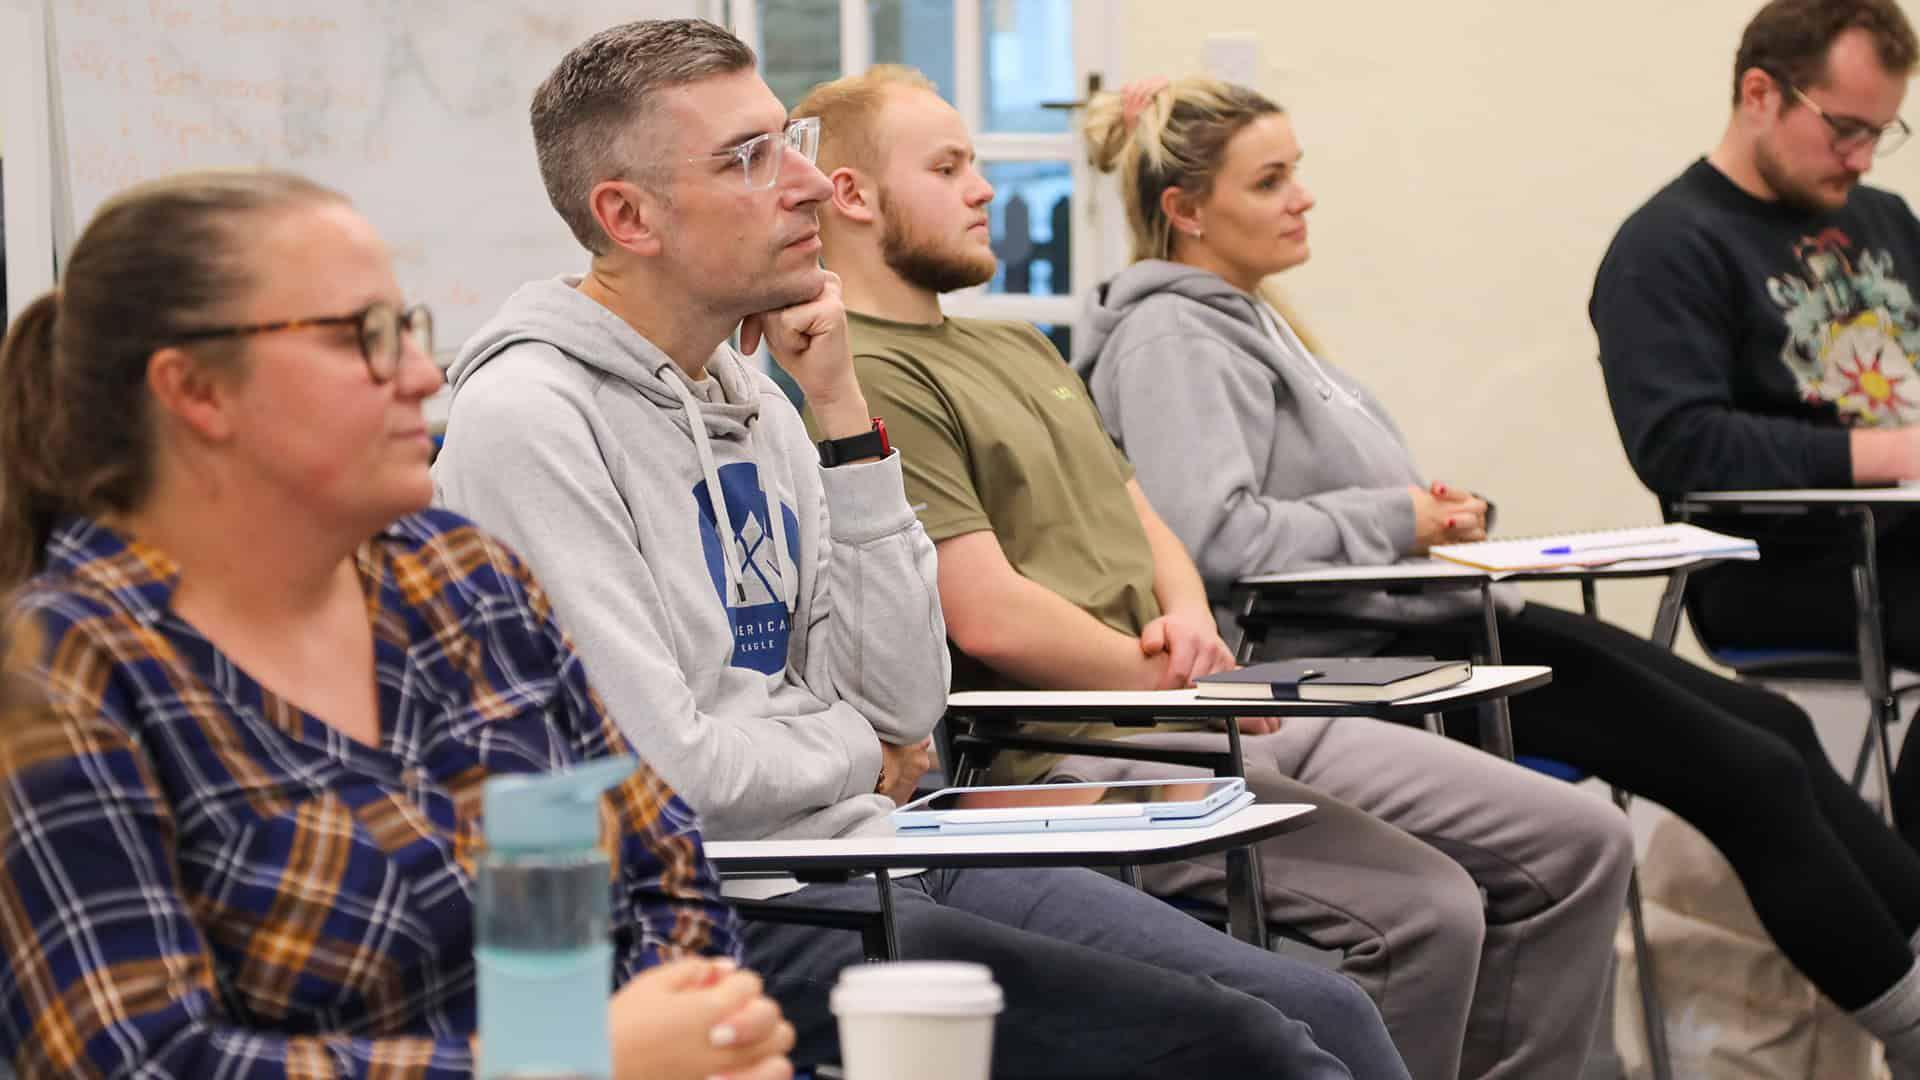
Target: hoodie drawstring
{"x": 789, "y": 579}
{"x": 717, "y": 498}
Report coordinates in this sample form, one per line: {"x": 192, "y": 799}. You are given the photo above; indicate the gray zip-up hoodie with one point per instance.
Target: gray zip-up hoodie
{"x": 755, "y": 659}
{"x": 1259, "y": 456}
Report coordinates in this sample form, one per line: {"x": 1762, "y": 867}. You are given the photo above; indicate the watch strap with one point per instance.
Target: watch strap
{"x": 871, "y": 443}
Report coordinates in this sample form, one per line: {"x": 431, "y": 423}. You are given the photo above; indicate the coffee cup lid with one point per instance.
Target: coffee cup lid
{"x": 919, "y": 989}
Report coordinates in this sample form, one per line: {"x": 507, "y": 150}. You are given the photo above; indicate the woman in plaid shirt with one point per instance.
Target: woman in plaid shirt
{"x": 238, "y": 816}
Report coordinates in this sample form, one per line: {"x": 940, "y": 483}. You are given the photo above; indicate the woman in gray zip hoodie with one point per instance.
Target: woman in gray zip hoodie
{"x": 1264, "y": 458}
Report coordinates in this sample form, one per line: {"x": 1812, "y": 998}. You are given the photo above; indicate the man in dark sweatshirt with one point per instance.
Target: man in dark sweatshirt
{"x": 1758, "y": 327}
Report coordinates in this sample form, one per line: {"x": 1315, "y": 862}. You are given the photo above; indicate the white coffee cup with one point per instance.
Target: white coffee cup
{"x": 916, "y": 1021}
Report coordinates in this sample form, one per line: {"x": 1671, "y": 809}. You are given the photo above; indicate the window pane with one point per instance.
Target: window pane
{"x": 799, "y": 46}
{"x": 1062, "y": 337}
{"x": 783, "y": 380}
{"x": 918, "y": 33}
{"x": 1032, "y": 226}
{"x": 1026, "y": 58}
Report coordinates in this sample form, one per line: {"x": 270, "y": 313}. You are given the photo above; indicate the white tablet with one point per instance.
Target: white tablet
{"x": 1126, "y": 804}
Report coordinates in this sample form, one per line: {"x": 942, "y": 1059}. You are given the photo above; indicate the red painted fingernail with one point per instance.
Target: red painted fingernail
{"x": 1439, "y": 489}
{"x": 1449, "y": 523}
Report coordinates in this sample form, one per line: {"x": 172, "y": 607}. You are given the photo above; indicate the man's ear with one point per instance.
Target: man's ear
{"x": 193, "y": 391}
{"x": 854, "y": 196}
{"x": 1182, "y": 211}
{"x": 631, "y": 216}
{"x": 1761, "y": 92}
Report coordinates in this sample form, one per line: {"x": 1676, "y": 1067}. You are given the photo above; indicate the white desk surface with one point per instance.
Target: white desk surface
{"x": 1411, "y": 570}
{"x": 1485, "y": 679}
{"x": 1865, "y": 496}
{"x": 1424, "y": 571}
{"x": 1009, "y": 849}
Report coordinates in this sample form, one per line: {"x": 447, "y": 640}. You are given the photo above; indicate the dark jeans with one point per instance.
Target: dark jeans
{"x": 1800, "y": 595}
{"x": 1101, "y": 980}
{"x": 1838, "y": 890}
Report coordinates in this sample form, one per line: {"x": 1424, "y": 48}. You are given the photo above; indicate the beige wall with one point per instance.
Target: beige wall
{"x": 1471, "y": 161}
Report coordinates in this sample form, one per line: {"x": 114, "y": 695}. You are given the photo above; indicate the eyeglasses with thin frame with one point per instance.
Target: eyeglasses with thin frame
{"x": 382, "y": 329}
{"x": 1851, "y": 133}
{"x": 760, "y": 156}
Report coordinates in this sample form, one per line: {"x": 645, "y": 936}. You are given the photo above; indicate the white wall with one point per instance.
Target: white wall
{"x": 1471, "y": 160}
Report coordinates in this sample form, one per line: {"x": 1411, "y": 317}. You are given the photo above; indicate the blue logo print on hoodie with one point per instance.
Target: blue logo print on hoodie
{"x": 760, "y": 620}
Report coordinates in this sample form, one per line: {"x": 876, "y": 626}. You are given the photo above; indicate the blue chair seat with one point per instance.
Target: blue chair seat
{"x": 1784, "y": 663}
{"x": 1559, "y": 770}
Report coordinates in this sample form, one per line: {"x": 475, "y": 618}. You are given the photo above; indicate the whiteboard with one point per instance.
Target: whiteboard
{"x": 26, "y": 194}
{"x": 415, "y": 109}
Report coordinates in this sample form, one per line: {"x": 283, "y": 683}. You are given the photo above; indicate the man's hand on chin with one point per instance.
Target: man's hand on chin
{"x": 809, "y": 342}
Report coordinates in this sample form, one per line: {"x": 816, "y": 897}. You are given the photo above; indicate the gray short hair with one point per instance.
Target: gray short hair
{"x": 584, "y": 113}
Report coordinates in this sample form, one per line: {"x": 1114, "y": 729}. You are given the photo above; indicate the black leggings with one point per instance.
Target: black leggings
{"x": 1837, "y": 889}
{"x": 1800, "y": 595}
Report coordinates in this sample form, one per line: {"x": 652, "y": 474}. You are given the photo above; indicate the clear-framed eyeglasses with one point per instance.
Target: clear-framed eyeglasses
{"x": 1851, "y": 133}
{"x": 759, "y": 158}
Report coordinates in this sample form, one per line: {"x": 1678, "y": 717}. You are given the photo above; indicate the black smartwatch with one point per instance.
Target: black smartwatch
{"x": 868, "y": 444}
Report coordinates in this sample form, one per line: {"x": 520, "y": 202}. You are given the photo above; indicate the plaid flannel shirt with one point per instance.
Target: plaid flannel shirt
{"x": 198, "y": 879}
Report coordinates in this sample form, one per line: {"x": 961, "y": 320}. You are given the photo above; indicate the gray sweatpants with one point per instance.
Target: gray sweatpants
{"x": 1413, "y": 829}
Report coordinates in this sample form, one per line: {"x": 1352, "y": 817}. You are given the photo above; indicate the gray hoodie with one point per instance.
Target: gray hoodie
{"x": 1260, "y": 457}
{"x": 760, "y": 674}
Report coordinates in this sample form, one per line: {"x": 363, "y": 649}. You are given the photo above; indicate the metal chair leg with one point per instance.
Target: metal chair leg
{"x": 888, "y": 939}
{"x": 1496, "y": 721}
{"x": 1246, "y": 903}
{"x": 1652, "y": 1017}
{"x": 1874, "y": 674}
{"x": 1883, "y": 741}
{"x": 1864, "y": 758}
{"x": 1666, "y": 620}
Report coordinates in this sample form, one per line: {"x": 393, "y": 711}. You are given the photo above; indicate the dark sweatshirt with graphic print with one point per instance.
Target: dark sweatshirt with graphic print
{"x": 1741, "y": 339}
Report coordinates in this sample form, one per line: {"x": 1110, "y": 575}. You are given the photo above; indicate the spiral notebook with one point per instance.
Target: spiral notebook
{"x": 1605, "y": 548}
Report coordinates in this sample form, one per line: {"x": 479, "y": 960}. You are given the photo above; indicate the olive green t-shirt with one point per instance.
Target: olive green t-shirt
{"x": 996, "y": 432}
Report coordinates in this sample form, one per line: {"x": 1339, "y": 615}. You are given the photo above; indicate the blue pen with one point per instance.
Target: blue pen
{"x": 1567, "y": 549}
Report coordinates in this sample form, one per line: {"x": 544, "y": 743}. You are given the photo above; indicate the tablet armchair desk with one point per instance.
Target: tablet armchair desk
{"x": 1253, "y": 594}
{"x": 836, "y": 859}
{"x": 968, "y": 711}
{"x": 979, "y": 722}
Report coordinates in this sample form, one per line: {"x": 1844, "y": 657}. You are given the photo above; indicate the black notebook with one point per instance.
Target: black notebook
{"x": 1363, "y": 678}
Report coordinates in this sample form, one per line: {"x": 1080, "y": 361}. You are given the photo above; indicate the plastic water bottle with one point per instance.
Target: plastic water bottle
{"x": 543, "y": 945}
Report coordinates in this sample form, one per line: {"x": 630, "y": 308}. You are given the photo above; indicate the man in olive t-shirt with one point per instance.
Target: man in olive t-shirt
{"x": 1055, "y": 573}
{"x": 999, "y": 437}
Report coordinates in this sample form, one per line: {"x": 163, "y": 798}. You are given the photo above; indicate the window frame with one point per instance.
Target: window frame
{"x": 1099, "y": 242}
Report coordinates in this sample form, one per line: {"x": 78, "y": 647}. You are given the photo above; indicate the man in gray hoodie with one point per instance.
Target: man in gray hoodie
{"x": 761, "y": 615}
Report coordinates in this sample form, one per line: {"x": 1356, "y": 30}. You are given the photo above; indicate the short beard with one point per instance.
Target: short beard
{"x": 1791, "y": 193}
{"x": 920, "y": 262}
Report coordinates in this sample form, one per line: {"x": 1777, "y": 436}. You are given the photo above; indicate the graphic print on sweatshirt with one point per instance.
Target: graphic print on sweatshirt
{"x": 760, "y": 621}
{"x": 1852, "y": 331}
